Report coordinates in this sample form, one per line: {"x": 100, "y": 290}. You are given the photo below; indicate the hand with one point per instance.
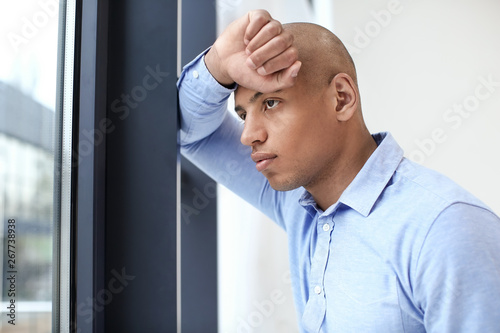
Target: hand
{"x": 256, "y": 53}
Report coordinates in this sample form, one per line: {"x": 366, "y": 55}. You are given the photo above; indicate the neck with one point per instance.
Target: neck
{"x": 327, "y": 190}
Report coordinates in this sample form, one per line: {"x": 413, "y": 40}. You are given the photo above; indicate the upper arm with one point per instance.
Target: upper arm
{"x": 457, "y": 282}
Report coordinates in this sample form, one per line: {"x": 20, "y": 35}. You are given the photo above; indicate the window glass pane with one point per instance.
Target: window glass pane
{"x": 28, "y": 146}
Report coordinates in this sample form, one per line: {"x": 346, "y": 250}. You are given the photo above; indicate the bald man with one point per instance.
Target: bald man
{"x": 377, "y": 243}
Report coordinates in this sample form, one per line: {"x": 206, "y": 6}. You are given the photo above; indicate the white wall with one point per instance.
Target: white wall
{"x": 414, "y": 66}
{"x": 429, "y": 59}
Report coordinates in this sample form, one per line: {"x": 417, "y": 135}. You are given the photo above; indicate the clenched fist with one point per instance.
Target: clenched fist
{"x": 256, "y": 53}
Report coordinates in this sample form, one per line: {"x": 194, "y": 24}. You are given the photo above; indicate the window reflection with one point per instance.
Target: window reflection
{"x": 28, "y": 62}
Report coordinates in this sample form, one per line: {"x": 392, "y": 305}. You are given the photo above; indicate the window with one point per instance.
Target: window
{"x": 30, "y": 164}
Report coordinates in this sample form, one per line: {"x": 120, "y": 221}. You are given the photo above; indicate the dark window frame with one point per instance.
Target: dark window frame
{"x": 126, "y": 237}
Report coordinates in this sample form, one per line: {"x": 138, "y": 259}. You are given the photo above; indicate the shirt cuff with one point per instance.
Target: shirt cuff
{"x": 197, "y": 76}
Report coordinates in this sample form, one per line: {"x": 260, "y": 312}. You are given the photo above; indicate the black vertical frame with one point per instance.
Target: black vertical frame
{"x": 125, "y": 175}
{"x": 89, "y": 165}
{"x": 198, "y": 197}
{"x": 142, "y": 167}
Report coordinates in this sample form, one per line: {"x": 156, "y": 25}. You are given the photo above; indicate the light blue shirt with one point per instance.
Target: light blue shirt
{"x": 403, "y": 250}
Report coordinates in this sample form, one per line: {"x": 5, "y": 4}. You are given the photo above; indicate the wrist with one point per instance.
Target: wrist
{"x": 214, "y": 66}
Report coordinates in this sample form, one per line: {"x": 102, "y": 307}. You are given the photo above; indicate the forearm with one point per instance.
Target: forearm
{"x": 202, "y": 102}
{"x": 210, "y": 138}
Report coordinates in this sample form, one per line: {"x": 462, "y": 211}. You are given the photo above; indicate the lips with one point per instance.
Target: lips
{"x": 263, "y": 160}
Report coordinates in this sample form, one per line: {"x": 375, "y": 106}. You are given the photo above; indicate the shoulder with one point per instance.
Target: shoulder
{"x": 434, "y": 188}
{"x": 466, "y": 230}
{"x": 438, "y": 216}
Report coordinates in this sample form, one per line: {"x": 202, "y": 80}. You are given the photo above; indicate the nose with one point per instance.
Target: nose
{"x": 254, "y": 131}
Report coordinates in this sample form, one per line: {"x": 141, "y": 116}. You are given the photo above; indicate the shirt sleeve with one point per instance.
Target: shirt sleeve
{"x": 202, "y": 101}
{"x": 457, "y": 285}
{"x": 210, "y": 138}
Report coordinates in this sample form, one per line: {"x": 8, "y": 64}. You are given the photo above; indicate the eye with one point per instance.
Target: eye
{"x": 271, "y": 103}
{"x": 242, "y": 115}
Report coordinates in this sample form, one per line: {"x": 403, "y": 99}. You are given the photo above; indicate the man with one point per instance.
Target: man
{"x": 377, "y": 243}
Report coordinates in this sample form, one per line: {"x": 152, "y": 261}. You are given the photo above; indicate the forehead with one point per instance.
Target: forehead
{"x": 244, "y": 95}
{"x": 302, "y": 85}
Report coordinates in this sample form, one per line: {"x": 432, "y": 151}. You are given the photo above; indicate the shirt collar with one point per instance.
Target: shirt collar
{"x": 369, "y": 183}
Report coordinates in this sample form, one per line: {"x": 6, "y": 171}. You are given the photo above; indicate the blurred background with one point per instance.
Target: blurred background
{"x": 428, "y": 73}
{"x": 28, "y": 73}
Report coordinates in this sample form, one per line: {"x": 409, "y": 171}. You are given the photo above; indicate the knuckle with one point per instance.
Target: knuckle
{"x": 261, "y": 16}
{"x": 292, "y": 54}
{"x": 256, "y": 58}
{"x": 260, "y": 12}
{"x": 274, "y": 27}
{"x": 274, "y": 65}
{"x": 281, "y": 42}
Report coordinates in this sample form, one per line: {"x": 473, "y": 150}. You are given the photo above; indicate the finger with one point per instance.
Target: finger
{"x": 287, "y": 78}
{"x": 256, "y": 20}
{"x": 277, "y": 46}
{"x": 281, "y": 80}
{"x": 279, "y": 63}
{"x": 269, "y": 31}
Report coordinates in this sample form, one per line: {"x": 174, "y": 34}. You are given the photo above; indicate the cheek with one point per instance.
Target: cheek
{"x": 302, "y": 130}
{"x": 301, "y": 144}
{"x": 312, "y": 150}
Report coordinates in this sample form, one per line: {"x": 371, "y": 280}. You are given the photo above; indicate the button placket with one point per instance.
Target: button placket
{"x": 324, "y": 230}
{"x": 316, "y": 305}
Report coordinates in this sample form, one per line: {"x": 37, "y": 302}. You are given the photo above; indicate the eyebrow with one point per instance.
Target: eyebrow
{"x": 254, "y": 97}
{"x": 252, "y": 100}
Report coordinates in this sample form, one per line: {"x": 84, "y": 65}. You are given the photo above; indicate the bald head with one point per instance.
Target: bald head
{"x": 322, "y": 54}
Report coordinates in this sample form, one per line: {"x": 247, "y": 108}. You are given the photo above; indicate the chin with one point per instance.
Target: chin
{"x": 282, "y": 185}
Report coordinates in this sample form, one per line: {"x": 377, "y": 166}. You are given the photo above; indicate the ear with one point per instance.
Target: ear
{"x": 345, "y": 95}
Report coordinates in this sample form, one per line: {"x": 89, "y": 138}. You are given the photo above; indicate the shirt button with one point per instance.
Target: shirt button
{"x": 317, "y": 290}
{"x": 326, "y": 227}
{"x": 196, "y": 74}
